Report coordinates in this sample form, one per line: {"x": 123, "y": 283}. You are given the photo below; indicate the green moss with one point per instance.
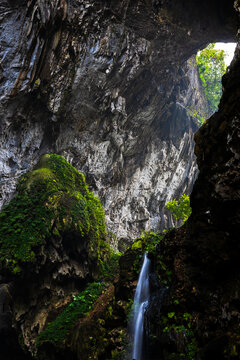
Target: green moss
{"x": 177, "y": 327}
{"x": 177, "y": 324}
{"x": 52, "y": 199}
{"x": 147, "y": 242}
{"x": 57, "y": 331}
{"x": 137, "y": 245}
{"x": 109, "y": 263}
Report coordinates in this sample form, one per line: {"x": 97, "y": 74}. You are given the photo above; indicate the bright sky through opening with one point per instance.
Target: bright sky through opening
{"x": 229, "y": 49}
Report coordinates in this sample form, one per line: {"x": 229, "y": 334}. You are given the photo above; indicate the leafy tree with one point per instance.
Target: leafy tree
{"x": 181, "y": 208}
{"x": 211, "y": 68}
{"x": 199, "y": 116}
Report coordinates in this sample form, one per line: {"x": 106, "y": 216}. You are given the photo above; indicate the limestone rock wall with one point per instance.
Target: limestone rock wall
{"x": 108, "y": 86}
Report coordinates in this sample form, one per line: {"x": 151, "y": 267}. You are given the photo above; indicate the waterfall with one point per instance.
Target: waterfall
{"x": 140, "y": 303}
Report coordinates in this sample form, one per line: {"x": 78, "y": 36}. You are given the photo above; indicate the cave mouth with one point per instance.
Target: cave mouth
{"x": 229, "y": 48}
{"x": 205, "y": 69}
{"x": 211, "y": 63}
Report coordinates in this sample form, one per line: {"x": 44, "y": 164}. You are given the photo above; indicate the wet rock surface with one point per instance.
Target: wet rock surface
{"x": 49, "y": 253}
{"x": 105, "y": 85}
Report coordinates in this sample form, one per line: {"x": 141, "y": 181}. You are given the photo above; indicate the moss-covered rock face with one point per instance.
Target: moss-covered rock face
{"x": 53, "y": 200}
{"x": 56, "y": 332}
{"x": 52, "y": 245}
{"x": 88, "y": 328}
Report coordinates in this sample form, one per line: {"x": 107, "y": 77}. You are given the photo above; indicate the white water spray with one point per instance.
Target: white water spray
{"x": 140, "y": 303}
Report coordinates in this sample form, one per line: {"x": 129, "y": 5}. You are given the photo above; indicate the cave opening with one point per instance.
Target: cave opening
{"x": 228, "y": 48}
{"x": 125, "y": 94}
{"x": 197, "y": 100}
{"x": 212, "y": 63}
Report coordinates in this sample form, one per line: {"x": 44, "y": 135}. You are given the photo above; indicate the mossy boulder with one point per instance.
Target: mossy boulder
{"x": 81, "y": 328}
{"x": 56, "y": 332}
{"x": 51, "y": 201}
{"x": 53, "y": 243}
{"x": 91, "y": 327}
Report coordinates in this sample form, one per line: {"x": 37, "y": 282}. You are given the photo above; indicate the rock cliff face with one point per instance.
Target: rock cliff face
{"x": 108, "y": 86}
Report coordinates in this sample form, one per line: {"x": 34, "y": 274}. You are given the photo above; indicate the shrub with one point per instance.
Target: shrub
{"x": 181, "y": 208}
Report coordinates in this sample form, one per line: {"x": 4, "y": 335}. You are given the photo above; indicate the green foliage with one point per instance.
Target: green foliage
{"x": 198, "y": 116}
{"x": 109, "y": 267}
{"x": 180, "y": 209}
{"x": 145, "y": 243}
{"x": 171, "y": 315}
{"x": 164, "y": 274}
{"x": 211, "y": 67}
{"x": 137, "y": 245}
{"x": 57, "y": 331}
{"x": 151, "y": 240}
{"x": 179, "y": 325}
{"x": 50, "y": 200}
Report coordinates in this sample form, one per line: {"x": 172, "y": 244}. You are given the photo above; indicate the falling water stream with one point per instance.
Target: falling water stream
{"x": 140, "y": 303}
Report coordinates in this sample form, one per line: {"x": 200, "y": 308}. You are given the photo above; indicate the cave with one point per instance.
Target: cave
{"x": 134, "y": 110}
{"x": 108, "y": 87}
